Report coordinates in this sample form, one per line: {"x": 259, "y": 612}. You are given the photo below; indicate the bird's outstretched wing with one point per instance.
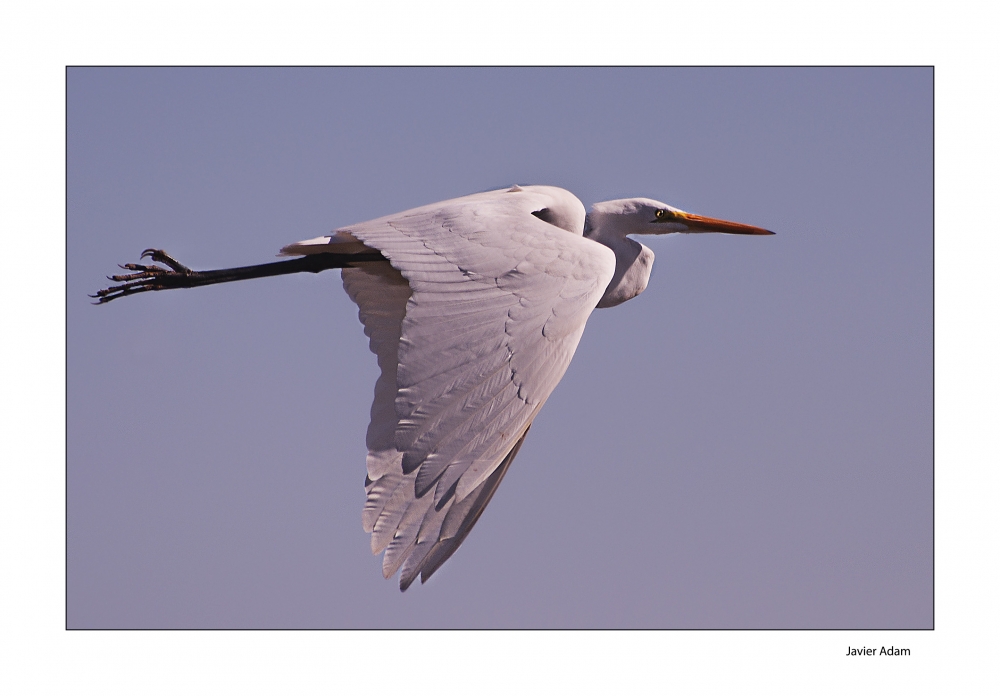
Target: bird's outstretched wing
{"x": 474, "y": 325}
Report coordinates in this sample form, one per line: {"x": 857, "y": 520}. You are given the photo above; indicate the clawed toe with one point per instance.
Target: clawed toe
{"x": 144, "y": 277}
{"x": 160, "y": 256}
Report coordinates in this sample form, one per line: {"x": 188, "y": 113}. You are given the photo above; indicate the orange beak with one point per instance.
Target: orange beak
{"x": 700, "y": 223}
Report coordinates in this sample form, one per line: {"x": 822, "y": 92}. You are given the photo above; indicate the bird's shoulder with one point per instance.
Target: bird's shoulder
{"x": 521, "y": 233}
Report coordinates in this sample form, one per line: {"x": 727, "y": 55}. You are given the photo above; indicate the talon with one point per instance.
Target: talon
{"x": 160, "y": 256}
{"x": 148, "y": 270}
{"x": 145, "y": 278}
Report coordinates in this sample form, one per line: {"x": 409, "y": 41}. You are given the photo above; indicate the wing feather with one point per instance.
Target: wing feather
{"x": 464, "y": 515}
{"x": 381, "y": 294}
{"x": 473, "y": 325}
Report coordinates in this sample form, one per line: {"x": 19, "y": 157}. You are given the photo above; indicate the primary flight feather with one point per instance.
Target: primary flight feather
{"x": 474, "y": 307}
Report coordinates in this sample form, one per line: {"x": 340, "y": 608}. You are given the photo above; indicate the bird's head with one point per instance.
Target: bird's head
{"x": 646, "y": 216}
{"x": 611, "y": 222}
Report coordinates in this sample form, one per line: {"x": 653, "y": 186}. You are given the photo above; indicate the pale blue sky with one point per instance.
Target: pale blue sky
{"x": 748, "y": 444}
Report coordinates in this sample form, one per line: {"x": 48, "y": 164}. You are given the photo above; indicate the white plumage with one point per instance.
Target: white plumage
{"x": 473, "y": 326}
{"x": 474, "y": 308}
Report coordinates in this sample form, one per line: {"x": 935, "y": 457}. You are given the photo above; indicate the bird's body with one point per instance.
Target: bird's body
{"x": 474, "y": 308}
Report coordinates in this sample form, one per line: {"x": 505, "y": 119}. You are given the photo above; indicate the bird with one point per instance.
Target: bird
{"x": 474, "y": 308}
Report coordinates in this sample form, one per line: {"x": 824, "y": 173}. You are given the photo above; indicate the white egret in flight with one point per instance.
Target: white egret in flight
{"x": 474, "y": 308}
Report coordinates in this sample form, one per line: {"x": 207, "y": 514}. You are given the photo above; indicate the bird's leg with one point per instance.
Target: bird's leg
{"x": 173, "y": 274}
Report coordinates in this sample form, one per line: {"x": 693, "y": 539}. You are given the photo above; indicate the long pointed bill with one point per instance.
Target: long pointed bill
{"x": 699, "y": 223}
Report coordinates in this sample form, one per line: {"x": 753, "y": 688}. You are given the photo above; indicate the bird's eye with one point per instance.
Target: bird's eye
{"x": 660, "y": 214}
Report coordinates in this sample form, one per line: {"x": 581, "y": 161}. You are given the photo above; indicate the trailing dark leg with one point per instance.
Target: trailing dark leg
{"x": 173, "y": 274}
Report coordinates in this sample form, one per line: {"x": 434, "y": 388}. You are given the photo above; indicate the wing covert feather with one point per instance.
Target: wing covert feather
{"x": 473, "y": 326}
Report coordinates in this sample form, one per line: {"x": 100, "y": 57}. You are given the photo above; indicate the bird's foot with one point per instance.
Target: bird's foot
{"x": 146, "y": 277}
{"x": 160, "y": 256}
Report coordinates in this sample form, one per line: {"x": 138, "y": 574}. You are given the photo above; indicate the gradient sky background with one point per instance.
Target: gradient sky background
{"x": 746, "y": 445}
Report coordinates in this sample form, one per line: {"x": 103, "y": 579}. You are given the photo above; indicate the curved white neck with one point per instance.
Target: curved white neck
{"x": 633, "y": 261}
